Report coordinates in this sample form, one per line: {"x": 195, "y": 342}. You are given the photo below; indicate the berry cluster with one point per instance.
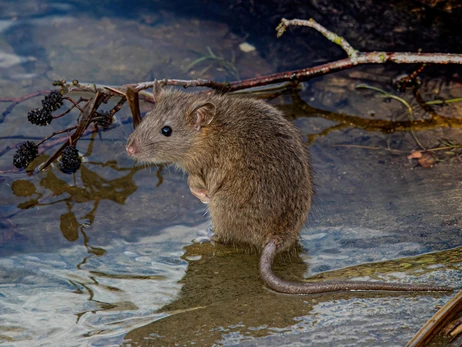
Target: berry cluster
{"x": 50, "y": 103}
{"x": 39, "y": 116}
{"x": 70, "y": 160}
{"x": 25, "y": 154}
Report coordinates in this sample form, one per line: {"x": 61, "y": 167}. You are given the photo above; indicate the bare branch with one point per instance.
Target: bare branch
{"x": 184, "y": 83}
{"x": 361, "y": 59}
{"x": 327, "y": 33}
{"x": 54, "y": 134}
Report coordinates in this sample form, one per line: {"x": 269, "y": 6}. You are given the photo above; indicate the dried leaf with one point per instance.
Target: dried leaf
{"x": 134, "y": 103}
{"x": 415, "y": 155}
{"x": 427, "y": 160}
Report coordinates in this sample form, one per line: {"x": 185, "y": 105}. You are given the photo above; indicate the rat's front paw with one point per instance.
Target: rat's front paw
{"x": 197, "y": 188}
{"x": 201, "y": 194}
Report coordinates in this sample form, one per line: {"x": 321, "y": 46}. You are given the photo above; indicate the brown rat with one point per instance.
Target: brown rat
{"x": 250, "y": 165}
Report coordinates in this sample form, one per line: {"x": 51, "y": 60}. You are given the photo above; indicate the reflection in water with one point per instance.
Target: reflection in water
{"x": 92, "y": 188}
{"x": 233, "y": 306}
{"x": 98, "y": 302}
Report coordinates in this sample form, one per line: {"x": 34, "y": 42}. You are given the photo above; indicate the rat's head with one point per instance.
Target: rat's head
{"x": 167, "y": 133}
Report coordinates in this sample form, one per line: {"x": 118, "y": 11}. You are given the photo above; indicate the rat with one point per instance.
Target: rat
{"x": 250, "y": 166}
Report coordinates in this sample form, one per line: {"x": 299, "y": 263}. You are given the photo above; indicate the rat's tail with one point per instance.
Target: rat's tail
{"x": 282, "y": 286}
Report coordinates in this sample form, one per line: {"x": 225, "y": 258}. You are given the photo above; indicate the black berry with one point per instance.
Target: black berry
{"x": 70, "y": 160}
{"x": 52, "y": 101}
{"x": 25, "y": 154}
{"x": 40, "y": 116}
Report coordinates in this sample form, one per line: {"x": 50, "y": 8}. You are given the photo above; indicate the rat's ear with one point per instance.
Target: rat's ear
{"x": 201, "y": 115}
{"x": 156, "y": 90}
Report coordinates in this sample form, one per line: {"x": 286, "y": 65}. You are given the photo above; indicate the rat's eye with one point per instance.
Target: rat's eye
{"x": 166, "y": 131}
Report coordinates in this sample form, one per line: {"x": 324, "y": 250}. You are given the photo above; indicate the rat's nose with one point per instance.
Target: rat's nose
{"x": 131, "y": 147}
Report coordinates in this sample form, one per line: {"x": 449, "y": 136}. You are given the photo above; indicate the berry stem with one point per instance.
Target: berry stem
{"x": 76, "y": 103}
{"x": 56, "y": 133}
{"x": 63, "y": 114}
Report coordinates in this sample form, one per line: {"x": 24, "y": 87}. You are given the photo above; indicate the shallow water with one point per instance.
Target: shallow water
{"x": 120, "y": 255}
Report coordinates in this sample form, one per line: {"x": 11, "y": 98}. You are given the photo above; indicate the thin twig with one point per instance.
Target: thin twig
{"x": 362, "y": 58}
{"x": 403, "y": 82}
{"x": 117, "y": 107}
{"x": 225, "y": 86}
{"x": 54, "y": 134}
{"x": 396, "y": 150}
{"x": 311, "y": 72}
{"x": 369, "y": 147}
{"x": 76, "y": 103}
{"x": 333, "y": 37}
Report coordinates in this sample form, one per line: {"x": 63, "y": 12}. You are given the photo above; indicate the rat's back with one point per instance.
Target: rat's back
{"x": 263, "y": 186}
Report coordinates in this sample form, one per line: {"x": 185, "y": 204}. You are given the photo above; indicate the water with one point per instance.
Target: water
{"x": 119, "y": 255}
